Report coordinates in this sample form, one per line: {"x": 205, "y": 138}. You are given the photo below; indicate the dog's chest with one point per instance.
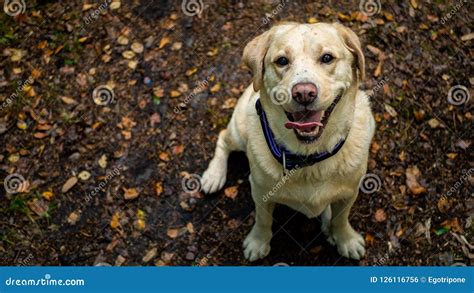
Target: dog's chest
{"x": 309, "y": 197}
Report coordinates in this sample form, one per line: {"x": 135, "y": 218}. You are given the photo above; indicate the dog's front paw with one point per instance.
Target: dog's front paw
{"x": 255, "y": 248}
{"x": 213, "y": 178}
{"x": 349, "y": 243}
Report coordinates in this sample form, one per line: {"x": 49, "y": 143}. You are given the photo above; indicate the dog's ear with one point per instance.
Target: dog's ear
{"x": 352, "y": 42}
{"x": 254, "y": 54}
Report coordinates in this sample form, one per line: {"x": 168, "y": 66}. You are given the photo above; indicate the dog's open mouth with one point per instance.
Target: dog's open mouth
{"x": 308, "y": 125}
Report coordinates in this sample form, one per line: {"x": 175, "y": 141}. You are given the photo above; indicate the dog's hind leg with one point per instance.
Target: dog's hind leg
{"x": 214, "y": 177}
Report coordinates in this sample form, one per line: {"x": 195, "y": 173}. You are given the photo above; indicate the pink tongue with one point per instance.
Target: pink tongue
{"x": 311, "y": 119}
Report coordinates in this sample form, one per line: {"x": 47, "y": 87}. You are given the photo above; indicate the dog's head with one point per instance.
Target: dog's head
{"x": 304, "y": 70}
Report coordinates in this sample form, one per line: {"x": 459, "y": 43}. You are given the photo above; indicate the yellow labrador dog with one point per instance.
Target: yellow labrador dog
{"x": 306, "y": 129}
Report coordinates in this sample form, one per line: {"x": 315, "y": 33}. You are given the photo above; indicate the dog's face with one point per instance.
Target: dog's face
{"x": 305, "y": 70}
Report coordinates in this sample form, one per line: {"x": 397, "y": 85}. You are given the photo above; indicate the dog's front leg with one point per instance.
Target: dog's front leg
{"x": 349, "y": 243}
{"x": 257, "y": 242}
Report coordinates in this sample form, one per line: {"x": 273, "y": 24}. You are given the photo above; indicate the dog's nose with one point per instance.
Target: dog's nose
{"x": 304, "y": 93}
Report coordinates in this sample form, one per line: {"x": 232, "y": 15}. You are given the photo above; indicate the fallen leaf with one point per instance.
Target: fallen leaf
{"x": 412, "y": 176}
{"x": 434, "y": 123}
{"x": 380, "y": 215}
{"x": 159, "y": 188}
{"x": 212, "y": 52}
{"x": 115, "y": 221}
{"x": 467, "y": 37}
{"x": 122, "y": 40}
{"x": 39, "y": 206}
{"x": 163, "y": 42}
{"x": 150, "y": 254}
{"x": 215, "y": 88}
{"x": 115, "y": 5}
{"x": 191, "y": 71}
{"x": 103, "y": 161}
{"x": 443, "y": 204}
{"x": 190, "y": 227}
{"x": 73, "y": 218}
{"x": 137, "y": 47}
{"x": 175, "y": 94}
{"x": 130, "y": 193}
{"x": 84, "y": 175}
{"x": 369, "y": 239}
{"x": 69, "y": 184}
{"x": 312, "y": 20}
{"x": 178, "y": 149}
{"x": 48, "y": 195}
{"x": 463, "y": 144}
{"x": 172, "y": 233}
{"x": 164, "y": 156}
{"x": 128, "y": 54}
{"x": 231, "y": 192}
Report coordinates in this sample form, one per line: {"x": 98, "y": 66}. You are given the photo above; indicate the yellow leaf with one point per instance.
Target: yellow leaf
{"x": 115, "y": 221}
{"x": 212, "y": 52}
{"x": 215, "y": 88}
{"x": 190, "y": 227}
{"x": 164, "y": 156}
{"x": 158, "y": 92}
{"x": 231, "y": 192}
{"x": 312, "y": 20}
{"x": 191, "y": 71}
{"x": 164, "y": 41}
{"x": 175, "y": 94}
{"x": 158, "y": 188}
{"x": 22, "y": 125}
{"x": 130, "y": 193}
{"x": 48, "y": 195}
{"x": 414, "y": 3}
{"x": 172, "y": 233}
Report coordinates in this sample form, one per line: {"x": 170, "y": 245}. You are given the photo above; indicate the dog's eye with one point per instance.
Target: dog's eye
{"x": 327, "y": 58}
{"x": 282, "y": 61}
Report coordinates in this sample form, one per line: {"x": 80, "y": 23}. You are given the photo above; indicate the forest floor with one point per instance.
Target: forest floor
{"x": 107, "y": 108}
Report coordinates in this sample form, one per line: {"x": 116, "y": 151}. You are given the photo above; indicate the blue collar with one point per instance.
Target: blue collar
{"x": 288, "y": 159}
